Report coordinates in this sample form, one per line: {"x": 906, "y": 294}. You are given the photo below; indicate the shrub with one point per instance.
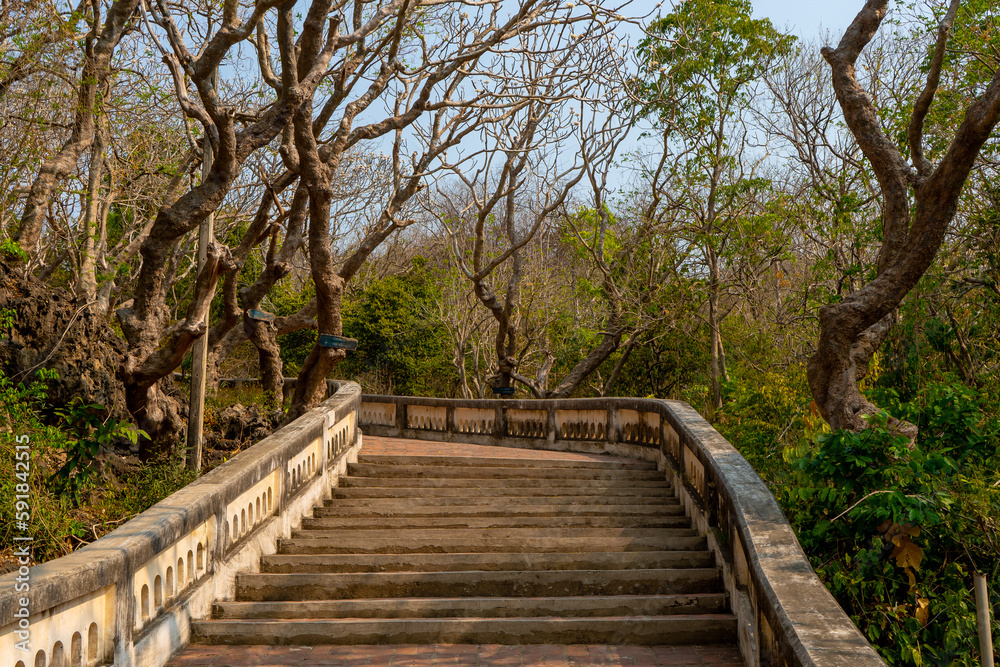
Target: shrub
{"x": 896, "y": 530}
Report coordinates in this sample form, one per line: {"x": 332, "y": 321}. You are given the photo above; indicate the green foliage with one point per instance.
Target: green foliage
{"x": 90, "y": 432}
{"x": 762, "y": 413}
{"x": 10, "y": 250}
{"x": 7, "y": 317}
{"x": 584, "y": 227}
{"x": 56, "y": 526}
{"x": 120, "y": 218}
{"x": 972, "y": 57}
{"x": 895, "y": 530}
{"x": 17, "y": 401}
{"x": 396, "y": 339}
{"x": 670, "y": 364}
{"x": 141, "y": 488}
{"x": 700, "y": 57}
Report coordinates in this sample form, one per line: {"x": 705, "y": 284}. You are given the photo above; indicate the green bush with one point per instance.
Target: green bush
{"x": 10, "y": 250}
{"x": 397, "y": 342}
{"x": 762, "y": 413}
{"x": 76, "y": 491}
{"x": 89, "y": 432}
{"x": 895, "y": 530}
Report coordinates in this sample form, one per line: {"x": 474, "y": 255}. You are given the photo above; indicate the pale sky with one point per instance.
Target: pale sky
{"x": 808, "y": 18}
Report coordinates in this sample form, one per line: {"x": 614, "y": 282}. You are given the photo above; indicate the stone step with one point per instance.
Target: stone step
{"x": 476, "y": 542}
{"x": 485, "y": 461}
{"x": 461, "y": 549}
{"x": 641, "y": 630}
{"x": 497, "y": 472}
{"x": 353, "y": 481}
{"x": 452, "y": 520}
{"x": 586, "y": 493}
{"x": 498, "y": 607}
{"x": 501, "y": 533}
{"x": 473, "y": 507}
{"x": 486, "y": 562}
{"x": 475, "y": 583}
{"x": 486, "y": 499}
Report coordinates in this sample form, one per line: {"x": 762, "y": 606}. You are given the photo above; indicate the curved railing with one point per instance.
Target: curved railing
{"x": 130, "y": 596}
{"x": 786, "y": 615}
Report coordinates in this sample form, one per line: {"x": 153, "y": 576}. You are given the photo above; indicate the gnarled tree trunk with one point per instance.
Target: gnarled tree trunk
{"x": 153, "y": 356}
{"x": 852, "y": 330}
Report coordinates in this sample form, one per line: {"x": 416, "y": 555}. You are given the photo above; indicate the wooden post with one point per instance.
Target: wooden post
{"x": 199, "y": 354}
{"x": 983, "y": 617}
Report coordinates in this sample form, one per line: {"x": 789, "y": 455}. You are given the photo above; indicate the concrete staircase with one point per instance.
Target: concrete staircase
{"x": 462, "y": 550}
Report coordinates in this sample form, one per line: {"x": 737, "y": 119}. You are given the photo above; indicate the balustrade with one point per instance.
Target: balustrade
{"x": 475, "y": 420}
{"x": 129, "y": 597}
{"x": 786, "y": 615}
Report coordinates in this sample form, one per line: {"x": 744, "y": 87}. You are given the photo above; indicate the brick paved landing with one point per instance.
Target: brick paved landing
{"x": 382, "y": 446}
{"x": 459, "y": 655}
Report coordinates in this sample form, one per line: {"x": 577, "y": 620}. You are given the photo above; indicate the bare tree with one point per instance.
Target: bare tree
{"x": 439, "y": 91}
{"x": 487, "y": 210}
{"x": 156, "y": 349}
{"x": 99, "y": 45}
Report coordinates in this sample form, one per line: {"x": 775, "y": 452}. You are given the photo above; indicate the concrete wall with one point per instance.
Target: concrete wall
{"x": 129, "y": 597}
{"x": 785, "y": 614}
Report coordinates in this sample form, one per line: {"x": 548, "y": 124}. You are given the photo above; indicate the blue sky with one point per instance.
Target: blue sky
{"x": 807, "y": 18}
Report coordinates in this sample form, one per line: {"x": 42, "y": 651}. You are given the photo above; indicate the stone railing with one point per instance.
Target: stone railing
{"x": 129, "y": 597}
{"x": 785, "y": 614}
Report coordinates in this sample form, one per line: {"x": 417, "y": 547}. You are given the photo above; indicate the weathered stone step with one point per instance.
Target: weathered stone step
{"x": 586, "y": 492}
{"x": 453, "y": 549}
{"x": 497, "y": 472}
{"x": 642, "y": 630}
{"x": 477, "y": 542}
{"x": 452, "y": 520}
{"x": 482, "y": 507}
{"x": 483, "y": 461}
{"x": 499, "y": 607}
{"x": 353, "y": 481}
{"x": 487, "y": 562}
{"x": 486, "y": 499}
{"x": 475, "y": 583}
{"x": 501, "y": 533}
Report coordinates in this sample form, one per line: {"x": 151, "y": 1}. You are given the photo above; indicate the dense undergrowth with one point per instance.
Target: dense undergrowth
{"x": 895, "y": 529}
{"x": 78, "y": 486}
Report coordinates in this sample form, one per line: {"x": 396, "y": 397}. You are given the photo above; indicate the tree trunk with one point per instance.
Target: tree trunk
{"x": 264, "y": 337}
{"x": 609, "y": 343}
{"x": 277, "y": 265}
{"x": 713, "y": 327}
{"x": 834, "y": 375}
{"x": 852, "y": 329}
{"x": 156, "y": 413}
{"x": 459, "y": 361}
{"x": 310, "y": 387}
{"x": 87, "y": 285}
{"x": 629, "y": 346}
{"x": 99, "y": 45}
{"x": 143, "y": 322}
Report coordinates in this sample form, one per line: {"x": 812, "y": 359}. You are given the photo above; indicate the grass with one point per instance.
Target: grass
{"x": 111, "y": 488}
